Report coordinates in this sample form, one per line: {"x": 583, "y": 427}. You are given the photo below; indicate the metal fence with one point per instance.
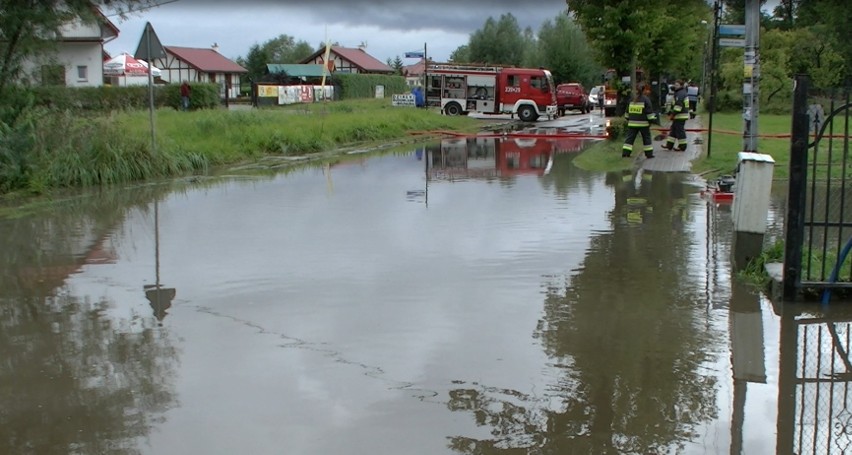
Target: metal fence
{"x": 819, "y": 213}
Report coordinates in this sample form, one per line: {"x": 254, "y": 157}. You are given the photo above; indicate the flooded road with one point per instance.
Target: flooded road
{"x": 474, "y": 296}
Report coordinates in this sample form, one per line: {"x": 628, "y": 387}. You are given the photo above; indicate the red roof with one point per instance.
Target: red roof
{"x": 415, "y": 69}
{"x": 206, "y": 60}
{"x": 357, "y": 56}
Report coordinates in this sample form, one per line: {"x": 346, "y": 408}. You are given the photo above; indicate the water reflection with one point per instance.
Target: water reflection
{"x": 624, "y": 334}
{"x": 557, "y": 311}
{"x": 158, "y": 296}
{"x": 490, "y": 156}
{"x": 74, "y": 380}
{"x": 815, "y": 379}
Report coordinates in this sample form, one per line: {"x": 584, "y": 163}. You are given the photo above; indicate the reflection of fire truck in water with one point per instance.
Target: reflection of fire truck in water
{"x": 612, "y": 84}
{"x": 496, "y": 157}
{"x": 460, "y": 89}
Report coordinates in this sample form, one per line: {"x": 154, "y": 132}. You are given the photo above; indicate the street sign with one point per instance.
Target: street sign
{"x": 732, "y": 42}
{"x": 149, "y": 46}
{"x": 731, "y": 30}
{"x": 403, "y": 100}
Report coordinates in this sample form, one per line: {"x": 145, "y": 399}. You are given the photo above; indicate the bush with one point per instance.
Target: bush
{"x": 616, "y": 129}
{"x": 364, "y": 85}
{"x": 109, "y": 98}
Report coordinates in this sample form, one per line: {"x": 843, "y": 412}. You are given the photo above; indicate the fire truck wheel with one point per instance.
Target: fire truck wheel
{"x": 527, "y": 114}
{"x": 453, "y": 109}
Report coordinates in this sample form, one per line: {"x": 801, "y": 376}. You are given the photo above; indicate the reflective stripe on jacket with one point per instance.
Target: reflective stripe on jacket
{"x": 640, "y": 113}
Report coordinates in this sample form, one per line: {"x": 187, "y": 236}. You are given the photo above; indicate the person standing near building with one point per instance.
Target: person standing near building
{"x": 640, "y": 114}
{"x": 185, "y": 95}
{"x": 678, "y": 116}
{"x": 692, "y": 95}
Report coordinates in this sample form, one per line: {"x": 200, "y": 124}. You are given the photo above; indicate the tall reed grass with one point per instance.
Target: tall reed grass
{"x": 50, "y": 149}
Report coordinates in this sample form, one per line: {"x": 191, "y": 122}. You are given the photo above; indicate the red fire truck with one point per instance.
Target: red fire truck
{"x": 612, "y": 81}
{"x": 487, "y": 157}
{"x": 461, "y": 89}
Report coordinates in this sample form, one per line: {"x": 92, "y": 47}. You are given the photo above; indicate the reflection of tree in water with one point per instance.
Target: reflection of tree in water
{"x": 625, "y": 333}
{"x": 73, "y": 380}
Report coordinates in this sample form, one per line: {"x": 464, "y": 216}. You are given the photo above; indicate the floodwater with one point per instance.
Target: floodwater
{"x": 474, "y": 296}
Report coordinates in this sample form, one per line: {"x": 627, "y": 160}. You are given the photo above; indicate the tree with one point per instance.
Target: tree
{"x": 396, "y": 64}
{"x": 255, "y": 62}
{"x": 531, "y": 56}
{"x": 461, "y": 54}
{"x": 285, "y": 49}
{"x": 498, "y": 42}
{"x": 564, "y": 50}
{"x": 661, "y": 37}
{"x": 734, "y": 10}
{"x": 831, "y": 19}
{"x": 281, "y": 49}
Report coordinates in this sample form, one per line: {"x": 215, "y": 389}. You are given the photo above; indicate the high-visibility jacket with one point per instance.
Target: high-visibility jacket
{"x": 680, "y": 110}
{"x": 640, "y": 113}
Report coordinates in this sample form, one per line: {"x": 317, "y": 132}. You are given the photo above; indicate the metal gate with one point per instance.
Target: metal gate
{"x": 819, "y": 210}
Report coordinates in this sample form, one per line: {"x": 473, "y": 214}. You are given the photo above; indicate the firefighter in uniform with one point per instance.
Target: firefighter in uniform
{"x": 640, "y": 114}
{"x": 678, "y": 116}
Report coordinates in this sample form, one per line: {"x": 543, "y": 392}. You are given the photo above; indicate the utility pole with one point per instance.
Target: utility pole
{"x": 751, "y": 73}
{"x": 714, "y": 52}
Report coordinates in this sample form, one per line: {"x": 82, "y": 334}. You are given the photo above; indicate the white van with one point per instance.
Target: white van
{"x": 669, "y": 98}
{"x": 596, "y": 96}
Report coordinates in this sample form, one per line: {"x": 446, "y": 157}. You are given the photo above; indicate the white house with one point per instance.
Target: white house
{"x": 200, "y": 65}
{"x": 79, "y": 56}
{"x": 349, "y": 60}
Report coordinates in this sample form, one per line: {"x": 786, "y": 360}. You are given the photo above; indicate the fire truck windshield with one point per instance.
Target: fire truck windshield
{"x": 550, "y": 86}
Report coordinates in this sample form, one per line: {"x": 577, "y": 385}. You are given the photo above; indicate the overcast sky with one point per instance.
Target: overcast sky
{"x": 388, "y": 27}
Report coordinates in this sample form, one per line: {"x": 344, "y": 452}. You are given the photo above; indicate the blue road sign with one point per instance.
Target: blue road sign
{"x": 731, "y": 30}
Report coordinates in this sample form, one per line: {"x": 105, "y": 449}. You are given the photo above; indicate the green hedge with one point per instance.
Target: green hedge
{"x": 364, "y": 85}
{"x": 108, "y": 98}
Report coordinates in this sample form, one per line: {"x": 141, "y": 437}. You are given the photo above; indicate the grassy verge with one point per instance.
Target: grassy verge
{"x": 727, "y": 142}
{"x": 603, "y": 156}
{"x": 50, "y": 150}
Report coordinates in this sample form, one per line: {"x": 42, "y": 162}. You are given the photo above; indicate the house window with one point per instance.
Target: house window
{"x": 82, "y": 73}
{"x": 53, "y": 75}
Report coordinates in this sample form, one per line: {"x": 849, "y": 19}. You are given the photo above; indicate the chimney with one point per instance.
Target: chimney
{"x": 215, "y": 47}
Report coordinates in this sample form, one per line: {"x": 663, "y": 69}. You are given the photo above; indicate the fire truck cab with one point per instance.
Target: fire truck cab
{"x": 459, "y": 90}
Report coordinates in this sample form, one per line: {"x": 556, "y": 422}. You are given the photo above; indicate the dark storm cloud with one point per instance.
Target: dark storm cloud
{"x": 459, "y": 16}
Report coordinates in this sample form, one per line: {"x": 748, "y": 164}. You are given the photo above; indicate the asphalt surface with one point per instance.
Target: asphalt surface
{"x": 663, "y": 161}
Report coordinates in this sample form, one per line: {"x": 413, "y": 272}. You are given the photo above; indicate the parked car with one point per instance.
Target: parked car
{"x": 595, "y": 97}
{"x": 571, "y": 96}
